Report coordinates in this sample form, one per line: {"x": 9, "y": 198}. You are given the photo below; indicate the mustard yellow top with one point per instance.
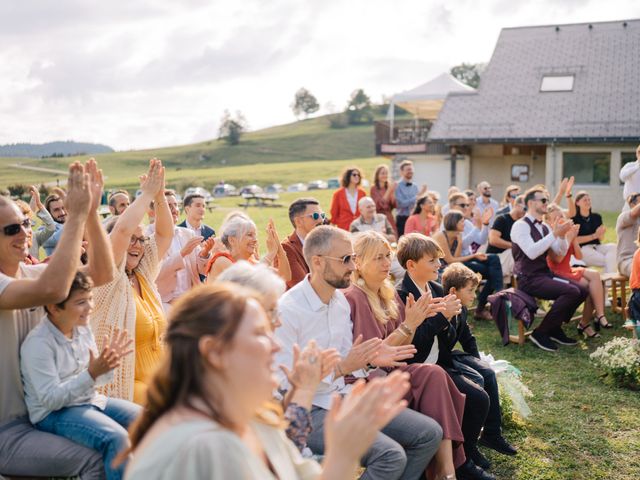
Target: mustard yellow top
{"x": 150, "y": 329}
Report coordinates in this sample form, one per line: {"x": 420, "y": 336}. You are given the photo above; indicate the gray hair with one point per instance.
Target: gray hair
{"x": 320, "y": 241}
{"x": 236, "y": 227}
{"x": 259, "y": 277}
{"x": 365, "y": 200}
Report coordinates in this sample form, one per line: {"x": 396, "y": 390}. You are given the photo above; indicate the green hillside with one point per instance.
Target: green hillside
{"x": 305, "y": 141}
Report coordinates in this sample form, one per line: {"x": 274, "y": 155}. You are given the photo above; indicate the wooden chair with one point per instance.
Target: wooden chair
{"x": 619, "y": 283}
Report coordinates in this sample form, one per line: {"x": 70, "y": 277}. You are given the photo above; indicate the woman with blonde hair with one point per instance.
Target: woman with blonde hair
{"x": 378, "y": 312}
{"x": 206, "y": 415}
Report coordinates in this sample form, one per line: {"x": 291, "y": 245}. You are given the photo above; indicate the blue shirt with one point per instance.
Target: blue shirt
{"x": 50, "y": 244}
{"x": 406, "y": 195}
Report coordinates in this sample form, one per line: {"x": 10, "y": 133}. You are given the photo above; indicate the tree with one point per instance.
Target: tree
{"x": 231, "y": 129}
{"x": 359, "y": 109}
{"x": 468, "y": 73}
{"x": 304, "y": 102}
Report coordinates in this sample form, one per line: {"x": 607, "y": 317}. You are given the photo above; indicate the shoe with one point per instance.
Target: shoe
{"x": 479, "y": 459}
{"x": 470, "y": 471}
{"x": 497, "y": 443}
{"x": 483, "y": 314}
{"x": 598, "y": 323}
{"x": 542, "y": 340}
{"x": 559, "y": 336}
{"x": 583, "y": 330}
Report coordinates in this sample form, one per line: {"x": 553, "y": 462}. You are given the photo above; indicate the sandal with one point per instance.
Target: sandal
{"x": 597, "y": 323}
{"x": 583, "y": 330}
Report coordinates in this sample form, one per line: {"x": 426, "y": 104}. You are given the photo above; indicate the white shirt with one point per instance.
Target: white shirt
{"x": 353, "y": 200}
{"x": 196, "y": 230}
{"x": 630, "y": 175}
{"x": 521, "y": 236}
{"x": 55, "y": 370}
{"x": 305, "y": 317}
{"x": 472, "y": 234}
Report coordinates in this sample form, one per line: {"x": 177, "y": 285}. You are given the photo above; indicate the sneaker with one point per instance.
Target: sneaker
{"x": 542, "y": 340}
{"x": 497, "y": 443}
{"x": 479, "y": 459}
{"x": 470, "y": 471}
{"x": 559, "y": 336}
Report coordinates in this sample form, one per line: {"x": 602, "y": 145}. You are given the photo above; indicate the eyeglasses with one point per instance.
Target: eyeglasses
{"x": 14, "y": 228}
{"x": 346, "y": 260}
{"x": 513, "y": 195}
{"x": 135, "y": 240}
{"x": 355, "y": 174}
{"x": 317, "y": 216}
{"x": 463, "y": 205}
{"x": 543, "y": 200}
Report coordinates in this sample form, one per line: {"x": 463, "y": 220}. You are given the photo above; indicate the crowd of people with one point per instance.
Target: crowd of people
{"x": 157, "y": 348}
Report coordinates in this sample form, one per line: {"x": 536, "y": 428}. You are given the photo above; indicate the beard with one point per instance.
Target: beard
{"x": 335, "y": 280}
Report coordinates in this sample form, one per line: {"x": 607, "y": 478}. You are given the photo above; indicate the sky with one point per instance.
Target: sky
{"x": 138, "y": 74}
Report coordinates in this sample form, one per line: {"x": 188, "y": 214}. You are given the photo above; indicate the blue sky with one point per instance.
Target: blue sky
{"x": 148, "y": 73}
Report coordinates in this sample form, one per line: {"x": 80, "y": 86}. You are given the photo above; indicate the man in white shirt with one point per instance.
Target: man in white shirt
{"x": 630, "y": 175}
{"x": 531, "y": 239}
{"x": 194, "y": 207}
{"x": 316, "y": 309}
{"x": 24, "y": 289}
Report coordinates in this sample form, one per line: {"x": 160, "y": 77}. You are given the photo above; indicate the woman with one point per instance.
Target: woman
{"x": 587, "y": 277}
{"x": 305, "y": 375}
{"x": 377, "y": 311}
{"x": 131, "y": 301}
{"x": 240, "y": 238}
{"x": 510, "y": 195}
{"x": 344, "y": 203}
{"x": 382, "y": 192}
{"x": 595, "y": 253}
{"x": 423, "y": 220}
{"x": 206, "y": 417}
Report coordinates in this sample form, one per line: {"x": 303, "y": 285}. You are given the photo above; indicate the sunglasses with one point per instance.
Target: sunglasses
{"x": 463, "y": 205}
{"x": 355, "y": 174}
{"x": 14, "y": 228}
{"x": 135, "y": 240}
{"x": 317, "y": 216}
{"x": 543, "y": 200}
{"x": 346, "y": 260}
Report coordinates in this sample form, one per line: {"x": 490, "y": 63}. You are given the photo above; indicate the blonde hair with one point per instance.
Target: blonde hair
{"x": 383, "y": 302}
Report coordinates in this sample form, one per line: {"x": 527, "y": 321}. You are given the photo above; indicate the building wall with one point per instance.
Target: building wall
{"x": 603, "y": 197}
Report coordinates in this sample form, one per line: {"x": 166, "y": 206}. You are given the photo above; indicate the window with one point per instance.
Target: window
{"x": 554, "y": 83}
{"x": 626, "y": 157}
{"x": 587, "y": 167}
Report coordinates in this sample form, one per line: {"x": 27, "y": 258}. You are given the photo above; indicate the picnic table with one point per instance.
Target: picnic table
{"x": 260, "y": 200}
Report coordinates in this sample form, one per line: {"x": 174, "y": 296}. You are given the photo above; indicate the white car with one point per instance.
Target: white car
{"x": 297, "y": 187}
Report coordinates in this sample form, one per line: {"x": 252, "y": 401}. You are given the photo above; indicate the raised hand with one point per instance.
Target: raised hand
{"x": 486, "y": 215}
{"x": 415, "y": 311}
{"x": 190, "y": 246}
{"x": 569, "y": 185}
{"x": 600, "y": 231}
{"x": 392, "y": 356}
{"x": 572, "y": 234}
{"x": 307, "y": 369}
{"x": 453, "y": 306}
{"x": 561, "y": 228}
{"x": 352, "y": 423}
{"x": 121, "y": 342}
{"x": 360, "y": 354}
{"x": 35, "y": 203}
{"x": 78, "y": 199}
{"x": 96, "y": 183}
{"x": 60, "y": 192}
{"x": 273, "y": 241}
{"x": 152, "y": 183}
{"x": 562, "y": 188}
{"x": 207, "y": 245}
{"x": 112, "y": 351}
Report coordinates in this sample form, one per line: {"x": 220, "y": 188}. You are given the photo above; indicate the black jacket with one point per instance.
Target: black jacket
{"x": 447, "y": 332}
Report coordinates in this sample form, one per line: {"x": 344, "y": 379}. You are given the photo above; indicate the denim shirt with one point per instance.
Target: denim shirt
{"x": 405, "y": 197}
{"x": 55, "y": 372}
{"x": 52, "y": 242}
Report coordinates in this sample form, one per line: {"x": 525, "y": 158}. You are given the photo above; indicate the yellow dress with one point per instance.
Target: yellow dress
{"x": 150, "y": 329}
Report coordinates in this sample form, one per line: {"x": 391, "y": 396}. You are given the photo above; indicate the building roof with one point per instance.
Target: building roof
{"x": 604, "y": 105}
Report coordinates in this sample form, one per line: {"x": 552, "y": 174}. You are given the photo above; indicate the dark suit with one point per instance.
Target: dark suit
{"x": 207, "y": 231}
{"x": 465, "y": 369}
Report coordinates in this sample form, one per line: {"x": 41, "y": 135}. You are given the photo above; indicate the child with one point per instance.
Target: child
{"x": 60, "y": 372}
{"x": 461, "y": 281}
{"x": 634, "y": 285}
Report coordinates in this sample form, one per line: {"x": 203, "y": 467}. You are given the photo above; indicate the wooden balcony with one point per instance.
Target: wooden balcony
{"x": 408, "y": 136}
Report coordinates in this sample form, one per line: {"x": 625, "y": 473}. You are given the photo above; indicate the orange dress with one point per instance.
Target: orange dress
{"x": 564, "y": 269}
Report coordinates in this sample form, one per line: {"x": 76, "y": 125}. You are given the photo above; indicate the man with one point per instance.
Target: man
{"x": 305, "y": 214}
{"x": 500, "y": 235}
{"x": 118, "y": 202}
{"x": 185, "y": 260}
{"x": 406, "y": 194}
{"x": 485, "y": 201}
{"x": 316, "y": 309}
{"x": 56, "y": 208}
{"x": 24, "y": 289}
{"x": 630, "y": 175}
{"x": 370, "y": 220}
{"x": 531, "y": 240}
{"x": 474, "y": 236}
{"x": 627, "y": 230}
{"x": 194, "y": 208}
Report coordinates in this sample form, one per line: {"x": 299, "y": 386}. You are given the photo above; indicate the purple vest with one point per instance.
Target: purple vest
{"x": 523, "y": 265}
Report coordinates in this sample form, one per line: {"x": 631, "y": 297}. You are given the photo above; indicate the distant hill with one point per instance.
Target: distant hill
{"x": 64, "y": 149}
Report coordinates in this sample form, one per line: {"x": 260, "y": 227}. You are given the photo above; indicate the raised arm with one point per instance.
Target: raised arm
{"x": 164, "y": 220}
{"x": 54, "y": 283}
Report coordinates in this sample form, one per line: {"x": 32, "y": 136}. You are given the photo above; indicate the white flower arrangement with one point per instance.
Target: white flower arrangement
{"x": 620, "y": 359}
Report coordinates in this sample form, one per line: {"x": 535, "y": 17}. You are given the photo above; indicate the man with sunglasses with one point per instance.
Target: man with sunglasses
{"x": 485, "y": 201}
{"x": 305, "y": 214}
{"x": 24, "y": 289}
{"x": 627, "y": 231}
{"x": 531, "y": 239}
{"x": 316, "y": 309}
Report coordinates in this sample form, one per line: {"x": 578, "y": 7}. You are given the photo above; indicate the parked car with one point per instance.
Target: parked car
{"x": 317, "y": 185}
{"x": 199, "y": 191}
{"x": 333, "y": 183}
{"x": 274, "y": 188}
{"x": 297, "y": 187}
{"x": 225, "y": 190}
{"x": 251, "y": 190}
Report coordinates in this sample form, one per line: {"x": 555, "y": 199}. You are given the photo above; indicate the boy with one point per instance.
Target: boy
{"x": 60, "y": 372}
{"x": 461, "y": 281}
{"x": 633, "y": 322}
